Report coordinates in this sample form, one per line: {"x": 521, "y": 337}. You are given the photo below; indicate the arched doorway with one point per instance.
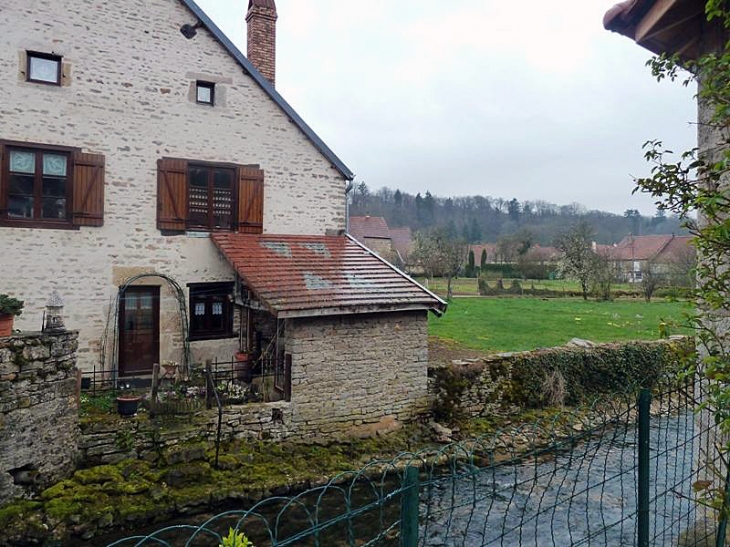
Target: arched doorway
{"x": 138, "y": 325}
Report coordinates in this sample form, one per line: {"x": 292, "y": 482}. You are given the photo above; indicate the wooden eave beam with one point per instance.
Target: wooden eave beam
{"x": 651, "y": 20}
{"x": 683, "y": 50}
{"x": 665, "y": 15}
{"x": 679, "y": 22}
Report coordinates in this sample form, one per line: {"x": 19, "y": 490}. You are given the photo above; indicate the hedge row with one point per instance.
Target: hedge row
{"x": 519, "y": 380}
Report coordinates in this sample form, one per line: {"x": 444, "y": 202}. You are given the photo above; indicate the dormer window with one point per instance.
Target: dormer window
{"x": 205, "y": 93}
{"x": 44, "y": 68}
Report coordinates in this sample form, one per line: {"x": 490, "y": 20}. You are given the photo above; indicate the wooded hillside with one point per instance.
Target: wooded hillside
{"x": 487, "y": 219}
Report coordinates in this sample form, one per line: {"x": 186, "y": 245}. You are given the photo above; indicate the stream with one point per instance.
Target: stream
{"x": 585, "y": 495}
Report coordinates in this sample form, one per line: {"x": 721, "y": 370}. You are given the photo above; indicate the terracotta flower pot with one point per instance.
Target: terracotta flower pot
{"x": 6, "y": 324}
{"x": 127, "y": 405}
{"x": 242, "y": 367}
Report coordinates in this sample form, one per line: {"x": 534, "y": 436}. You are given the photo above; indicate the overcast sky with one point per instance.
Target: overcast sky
{"x": 532, "y": 100}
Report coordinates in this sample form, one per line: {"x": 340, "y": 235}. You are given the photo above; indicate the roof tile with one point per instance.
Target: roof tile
{"x": 321, "y": 275}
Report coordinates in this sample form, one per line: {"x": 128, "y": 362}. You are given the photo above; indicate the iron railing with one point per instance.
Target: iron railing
{"x": 265, "y": 380}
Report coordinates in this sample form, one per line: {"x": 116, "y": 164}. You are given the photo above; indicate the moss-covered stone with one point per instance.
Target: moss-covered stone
{"x": 187, "y": 474}
{"x": 98, "y": 475}
{"x": 184, "y": 454}
{"x": 135, "y": 491}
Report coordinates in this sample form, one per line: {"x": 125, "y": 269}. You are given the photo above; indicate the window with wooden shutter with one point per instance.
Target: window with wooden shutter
{"x": 172, "y": 194}
{"x": 41, "y": 186}
{"x": 3, "y": 177}
{"x": 88, "y": 189}
{"x": 250, "y": 200}
{"x": 202, "y": 196}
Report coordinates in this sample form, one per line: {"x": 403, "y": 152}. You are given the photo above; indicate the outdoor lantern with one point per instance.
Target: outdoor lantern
{"x": 54, "y": 313}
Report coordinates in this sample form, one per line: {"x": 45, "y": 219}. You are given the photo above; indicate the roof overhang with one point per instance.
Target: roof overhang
{"x": 661, "y": 26}
{"x": 316, "y": 276}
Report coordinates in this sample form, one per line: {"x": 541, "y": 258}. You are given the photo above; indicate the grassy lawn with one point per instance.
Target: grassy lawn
{"x": 515, "y": 324}
{"x": 468, "y": 286}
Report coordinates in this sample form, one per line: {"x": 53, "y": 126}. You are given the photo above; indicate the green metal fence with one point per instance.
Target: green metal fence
{"x": 618, "y": 473}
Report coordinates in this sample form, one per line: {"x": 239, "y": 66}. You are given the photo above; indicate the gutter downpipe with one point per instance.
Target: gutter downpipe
{"x": 348, "y": 189}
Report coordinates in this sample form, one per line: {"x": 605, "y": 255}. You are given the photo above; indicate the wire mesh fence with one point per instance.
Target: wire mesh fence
{"x": 623, "y": 471}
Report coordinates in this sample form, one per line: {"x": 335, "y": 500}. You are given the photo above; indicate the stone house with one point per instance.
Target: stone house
{"x": 669, "y": 256}
{"x": 133, "y": 134}
{"x": 373, "y": 232}
{"x": 393, "y": 244}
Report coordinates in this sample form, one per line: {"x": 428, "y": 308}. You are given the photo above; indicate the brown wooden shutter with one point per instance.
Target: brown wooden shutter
{"x": 3, "y": 194}
{"x": 250, "y": 200}
{"x": 88, "y": 189}
{"x": 172, "y": 194}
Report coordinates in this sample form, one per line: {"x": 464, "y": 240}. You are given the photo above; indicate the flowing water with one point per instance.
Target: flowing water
{"x": 583, "y": 495}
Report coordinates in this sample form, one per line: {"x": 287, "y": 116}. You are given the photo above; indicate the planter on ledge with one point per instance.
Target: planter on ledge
{"x": 127, "y": 405}
{"x": 6, "y": 324}
{"x": 9, "y": 308}
{"x": 243, "y": 368}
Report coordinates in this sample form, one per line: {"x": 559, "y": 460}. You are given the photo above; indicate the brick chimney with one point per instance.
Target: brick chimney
{"x": 261, "y": 19}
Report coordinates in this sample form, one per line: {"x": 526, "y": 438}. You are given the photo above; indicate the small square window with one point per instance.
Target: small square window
{"x": 205, "y": 93}
{"x": 44, "y": 68}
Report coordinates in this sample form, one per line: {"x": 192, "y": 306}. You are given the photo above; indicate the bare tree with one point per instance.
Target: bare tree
{"x": 683, "y": 266}
{"x": 440, "y": 254}
{"x": 604, "y": 275}
{"x": 579, "y": 260}
{"x": 651, "y": 278}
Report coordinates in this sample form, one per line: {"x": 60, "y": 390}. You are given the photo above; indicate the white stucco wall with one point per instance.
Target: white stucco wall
{"x": 127, "y": 95}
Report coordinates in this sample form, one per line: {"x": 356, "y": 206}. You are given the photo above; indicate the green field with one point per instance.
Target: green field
{"x": 515, "y": 324}
{"x": 468, "y": 286}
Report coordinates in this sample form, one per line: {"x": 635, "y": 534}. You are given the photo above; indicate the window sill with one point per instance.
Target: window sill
{"x": 41, "y": 225}
{"x": 212, "y": 336}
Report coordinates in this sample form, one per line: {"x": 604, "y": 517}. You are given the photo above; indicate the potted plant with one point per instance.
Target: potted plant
{"x": 243, "y": 367}
{"x": 127, "y": 405}
{"x": 9, "y": 308}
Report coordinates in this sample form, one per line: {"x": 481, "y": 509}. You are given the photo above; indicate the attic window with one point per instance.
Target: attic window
{"x": 44, "y": 68}
{"x": 205, "y": 93}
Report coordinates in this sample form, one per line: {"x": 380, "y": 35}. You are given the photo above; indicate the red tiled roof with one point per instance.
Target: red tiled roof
{"x": 375, "y": 227}
{"x": 543, "y": 254}
{"x": 402, "y": 240}
{"x": 643, "y": 247}
{"x": 678, "y": 247}
{"x": 300, "y": 276}
{"x": 491, "y": 249}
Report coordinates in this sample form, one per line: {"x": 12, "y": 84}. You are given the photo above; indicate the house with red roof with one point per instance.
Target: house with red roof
{"x": 153, "y": 175}
{"x": 669, "y": 256}
{"x": 393, "y": 244}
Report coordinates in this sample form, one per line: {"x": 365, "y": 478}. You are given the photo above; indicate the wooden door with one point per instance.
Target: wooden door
{"x": 139, "y": 330}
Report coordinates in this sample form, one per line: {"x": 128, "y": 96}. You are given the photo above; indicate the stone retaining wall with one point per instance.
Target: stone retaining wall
{"x": 109, "y": 439}
{"x": 506, "y": 383}
{"x": 39, "y": 428}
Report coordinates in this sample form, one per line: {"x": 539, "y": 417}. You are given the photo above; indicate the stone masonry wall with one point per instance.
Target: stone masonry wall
{"x": 355, "y": 375}
{"x": 127, "y": 94}
{"x": 39, "y": 427}
{"x": 351, "y": 376}
{"x": 508, "y": 383}
{"x": 111, "y": 439}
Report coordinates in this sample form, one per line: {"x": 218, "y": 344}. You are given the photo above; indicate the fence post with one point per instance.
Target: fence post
{"x": 722, "y": 527}
{"x": 643, "y": 461}
{"x": 409, "y": 508}
{"x": 208, "y": 384}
